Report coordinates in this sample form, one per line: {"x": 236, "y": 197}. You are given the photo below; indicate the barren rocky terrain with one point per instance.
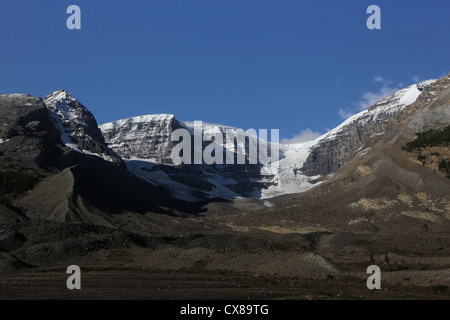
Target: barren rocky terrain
{"x": 211, "y": 258}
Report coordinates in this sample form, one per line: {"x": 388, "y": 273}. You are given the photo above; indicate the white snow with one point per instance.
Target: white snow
{"x": 63, "y": 113}
{"x": 148, "y": 171}
{"x": 100, "y": 155}
{"x": 136, "y": 120}
{"x": 16, "y": 95}
{"x": 287, "y": 176}
{"x": 57, "y": 103}
{"x": 268, "y": 204}
{"x": 220, "y": 189}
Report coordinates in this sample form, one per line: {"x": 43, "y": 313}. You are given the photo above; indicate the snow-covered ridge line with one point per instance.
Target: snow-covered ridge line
{"x": 389, "y": 105}
{"x": 77, "y": 126}
{"x": 138, "y": 119}
{"x": 57, "y": 104}
{"x": 290, "y": 179}
{"x": 190, "y": 124}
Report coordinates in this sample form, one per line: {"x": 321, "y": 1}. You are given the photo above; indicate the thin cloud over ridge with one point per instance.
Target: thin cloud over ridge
{"x": 369, "y": 98}
{"x": 303, "y": 136}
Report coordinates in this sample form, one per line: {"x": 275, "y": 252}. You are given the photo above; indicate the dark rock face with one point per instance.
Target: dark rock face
{"x": 328, "y": 156}
{"x": 27, "y": 133}
{"x": 49, "y": 177}
{"x": 78, "y": 127}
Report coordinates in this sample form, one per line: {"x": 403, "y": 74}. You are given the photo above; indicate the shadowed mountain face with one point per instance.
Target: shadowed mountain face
{"x": 48, "y": 174}
{"x": 27, "y": 134}
{"x": 93, "y": 190}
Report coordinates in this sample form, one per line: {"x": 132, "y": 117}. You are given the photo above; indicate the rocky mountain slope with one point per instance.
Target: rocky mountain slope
{"x": 360, "y": 131}
{"x": 55, "y": 165}
{"x": 145, "y": 143}
{"x": 398, "y": 185}
{"x": 27, "y": 134}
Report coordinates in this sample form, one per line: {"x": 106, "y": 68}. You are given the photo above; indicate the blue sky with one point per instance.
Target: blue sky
{"x": 288, "y": 65}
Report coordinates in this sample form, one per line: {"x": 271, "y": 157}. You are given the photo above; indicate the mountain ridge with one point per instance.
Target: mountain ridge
{"x": 303, "y": 165}
{"x": 377, "y": 192}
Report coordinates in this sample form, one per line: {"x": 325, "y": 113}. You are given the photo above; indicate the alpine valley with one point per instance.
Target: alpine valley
{"x": 373, "y": 191}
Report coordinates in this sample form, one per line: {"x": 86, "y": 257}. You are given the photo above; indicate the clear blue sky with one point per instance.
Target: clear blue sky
{"x": 288, "y": 65}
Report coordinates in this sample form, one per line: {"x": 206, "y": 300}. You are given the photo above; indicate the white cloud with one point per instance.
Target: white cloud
{"x": 416, "y": 79}
{"x": 302, "y": 136}
{"x": 345, "y": 113}
{"x": 369, "y": 98}
{"x": 385, "y": 89}
{"x": 381, "y": 79}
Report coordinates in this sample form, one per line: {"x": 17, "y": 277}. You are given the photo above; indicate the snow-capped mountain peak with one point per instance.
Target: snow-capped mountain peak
{"x": 78, "y": 127}
{"x": 145, "y": 137}
{"x": 383, "y": 109}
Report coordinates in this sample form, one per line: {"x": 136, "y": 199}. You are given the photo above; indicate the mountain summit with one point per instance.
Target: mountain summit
{"x": 78, "y": 127}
